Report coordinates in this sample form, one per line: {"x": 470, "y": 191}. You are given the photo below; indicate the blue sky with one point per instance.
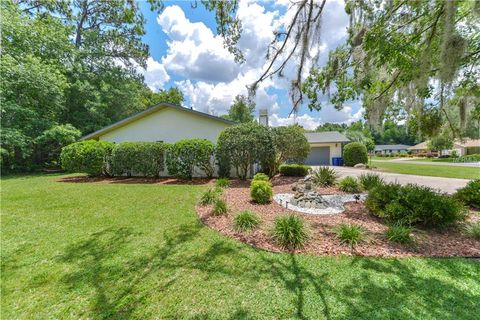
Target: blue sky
{"x": 186, "y": 52}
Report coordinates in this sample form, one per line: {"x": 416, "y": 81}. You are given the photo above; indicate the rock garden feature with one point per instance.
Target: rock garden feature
{"x": 377, "y": 236}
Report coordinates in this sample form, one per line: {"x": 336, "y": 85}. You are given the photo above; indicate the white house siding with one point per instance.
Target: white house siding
{"x": 168, "y": 125}
{"x": 335, "y": 149}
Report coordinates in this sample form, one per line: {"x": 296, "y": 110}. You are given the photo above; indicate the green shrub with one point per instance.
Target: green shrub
{"x": 414, "y": 205}
{"x": 50, "y": 143}
{"x": 349, "y": 233}
{"x": 325, "y": 176}
{"x": 261, "y": 191}
{"x": 243, "y": 145}
{"x": 369, "y": 180}
{"x": 185, "y": 155}
{"x": 245, "y": 221}
{"x": 289, "y": 231}
{"x": 399, "y": 233}
{"x": 470, "y": 194}
{"x": 219, "y": 207}
{"x": 294, "y": 170}
{"x": 261, "y": 177}
{"x": 89, "y": 157}
{"x": 349, "y": 184}
{"x": 210, "y": 196}
{"x": 473, "y": 230}
{"x": 354, "y": 153}
{"x": 222, "y": 182}
{"x": 138, "y": 159}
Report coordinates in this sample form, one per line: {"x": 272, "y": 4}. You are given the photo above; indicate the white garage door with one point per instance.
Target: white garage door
{"x": 318, "y": 156}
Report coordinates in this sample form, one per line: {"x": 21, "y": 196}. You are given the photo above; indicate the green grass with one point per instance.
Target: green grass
{"x": 97, "y": 251}
{"x": 382, "y": 158}
{"x": 433, "y": 159}
{"x": 429, "y": 170}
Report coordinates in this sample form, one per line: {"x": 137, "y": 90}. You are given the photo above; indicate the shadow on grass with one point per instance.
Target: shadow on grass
{"x": 372, "y": 288}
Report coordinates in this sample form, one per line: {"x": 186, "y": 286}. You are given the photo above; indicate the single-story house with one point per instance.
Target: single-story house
{"x": 169, "y": 123}
{"x": 163, "y": 122}
{"x": 461, "y": 147}
{"x": 390, "y": 148}
{"x": 324, "y": 146}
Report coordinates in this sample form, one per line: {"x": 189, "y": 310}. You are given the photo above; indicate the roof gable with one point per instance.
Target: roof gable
{"x": 325, "y": 137}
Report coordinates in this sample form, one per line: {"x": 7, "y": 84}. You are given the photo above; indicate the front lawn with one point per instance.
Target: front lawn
{"x": 130, "y": 251}
{"x": 429, "y": 170}
{"x": 433, "y": 159}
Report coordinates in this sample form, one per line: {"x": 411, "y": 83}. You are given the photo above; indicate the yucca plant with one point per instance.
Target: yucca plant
{"x": 349, "y": 184}
{"x": 325, "y": 177}
{"x": 350, "y": 233}
{"x": 246, "y": 221}
{"x": 369, "y": 181}
{"x": 290, "y": 231}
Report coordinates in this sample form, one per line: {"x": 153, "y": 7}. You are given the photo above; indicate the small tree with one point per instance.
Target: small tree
{"x": 290, "y": 145}
{"x": 241, "y": 110}
{"x": 439, "y": 143}
{"x": 370, "y": 145}
{"x": 50, "y": 143}
{"x": 243, "y": 145}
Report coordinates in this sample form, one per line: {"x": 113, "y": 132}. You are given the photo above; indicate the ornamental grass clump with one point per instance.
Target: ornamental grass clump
{"x": 290, "y": 231}
{"x": 350, "y": 233}
{"x": 246, "y": 221}
{"x": 325, "y": 177}
{"x": 400, "y": 234}
{"x": 219, "y": 207}
{"x": 210, "y": 196}
{"x": 350, "y": 185}
{"x": 222, "y": 182}
{"x": 369, "y": 181}
{"x": 261, "y": 191}
{"x": 473, "y": 230}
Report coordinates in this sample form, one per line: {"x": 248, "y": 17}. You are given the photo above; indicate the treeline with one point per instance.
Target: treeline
{"x": 68, "y": 69}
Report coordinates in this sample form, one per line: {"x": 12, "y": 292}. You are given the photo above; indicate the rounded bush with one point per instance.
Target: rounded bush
{"x": 294, "y": 170}
{"x": 260, "y": 177}
{"x": 261, "y": 191}
{"x": 470, "y": 194}
{"x": 184, "y": 155}
{"x": 289, "y": 231}
{"x": 138, "y": 159}
{"x": 245, "y": 221}
{"x": 350, "y": 184}
{"x": 88, "y": 157}
{"x": 354, "y": 153}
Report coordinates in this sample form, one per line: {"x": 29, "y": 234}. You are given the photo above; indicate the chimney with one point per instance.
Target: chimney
{"x": 263, "y": 117}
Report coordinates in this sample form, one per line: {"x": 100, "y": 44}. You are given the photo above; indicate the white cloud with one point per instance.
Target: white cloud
{"x": 155, "y": 74}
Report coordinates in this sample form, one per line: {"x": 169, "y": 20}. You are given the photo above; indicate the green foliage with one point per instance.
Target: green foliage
{"x": 88, "y": 157}
{"x": 353, "y": 153}
{"x": 350, "y": 184}
{"x": 291, "y": 146}
{"x": 294, "y": 170}
{"x": 243, "y": 145}
{"x": 222, "y": 183}
{"x": 414, "y": 205}
{"x": 246, "y": 221}
{"x": 219, "y": 207}
{"x": 290, "y": 231}
{"x": 185, "y": 155}
{"x": 210, "y": 196}
{"x": 241, "y": 110}
{"x": 473, "y": 230}
{"x": 50, "y": 143}
{"x": 470, "y": 194}
{"x": 325, "y": 176}
{"x": 261, "y": 191}
{"x": 350, "y": 233}
{"x": 399, "y": 233}
{"x": 369, "y": 181}
{"x": 261, "y": 177}
{"x": 138, "y": 159}
{"x": 16, "y": 149}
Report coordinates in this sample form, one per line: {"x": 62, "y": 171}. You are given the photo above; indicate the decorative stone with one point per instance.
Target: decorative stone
{"x": 360, "y": 166}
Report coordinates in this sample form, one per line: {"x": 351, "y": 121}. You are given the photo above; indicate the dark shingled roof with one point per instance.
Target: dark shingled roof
{"x": 325, "y": 137}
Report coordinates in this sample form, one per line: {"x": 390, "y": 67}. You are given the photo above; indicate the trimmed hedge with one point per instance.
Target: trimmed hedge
{"x": 88, "y": 157}
{"x": 261, "y": 191}
{"x": 294, "y": 170}
{"x": 138, "y": 159}
{"x": 354, "y": 153}
{"x": 184, "y": 155}
{"x": 414, "y": 205}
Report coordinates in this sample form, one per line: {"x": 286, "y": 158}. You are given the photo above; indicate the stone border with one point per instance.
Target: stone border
{"x": 337, "y": 202}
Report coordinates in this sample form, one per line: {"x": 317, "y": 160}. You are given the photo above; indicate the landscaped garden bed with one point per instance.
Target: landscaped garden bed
{"x": 323, "y": 229}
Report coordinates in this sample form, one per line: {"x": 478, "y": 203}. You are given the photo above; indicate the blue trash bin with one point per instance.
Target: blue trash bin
{"x": 334, "y": 161}
{"x": 340, "y": 161}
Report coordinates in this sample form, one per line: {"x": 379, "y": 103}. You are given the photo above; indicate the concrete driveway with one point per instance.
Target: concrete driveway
{"x": 448, "y": 185}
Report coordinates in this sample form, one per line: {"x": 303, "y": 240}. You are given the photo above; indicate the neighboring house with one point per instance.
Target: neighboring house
{"x": 324, "y": 146}
{"x": 163, "y": 122}
{"x": 390, "y": 148}
{"x": 462, "y": 148}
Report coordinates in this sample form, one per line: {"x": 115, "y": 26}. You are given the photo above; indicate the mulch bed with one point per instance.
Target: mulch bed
{"x": 428, "y": 242}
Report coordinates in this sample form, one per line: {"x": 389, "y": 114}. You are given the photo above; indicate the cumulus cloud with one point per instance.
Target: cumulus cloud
{"x": 155, "y": 74}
